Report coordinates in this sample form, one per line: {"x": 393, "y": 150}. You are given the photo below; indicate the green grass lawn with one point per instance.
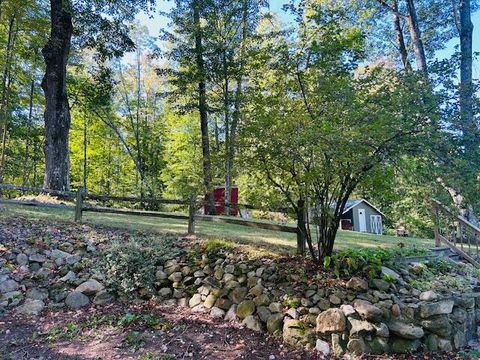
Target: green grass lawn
{"x": 268, "y": 239}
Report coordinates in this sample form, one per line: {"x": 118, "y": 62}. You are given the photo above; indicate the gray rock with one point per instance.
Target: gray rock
{"x": 90, "y": 287}
{"x": 165, "y": 292}
{"x": 38, "y": 258}
{"x": 245, "y": 308}
{"x": 217, "y": 313}
{"x": 195, "y": 300}
{"x": 212, "y": 282}
{"x": 8, "y": 286}
{"x": 251, "y": 322}
{"x": 73, "y": 259}
{"x": 348, "y": 310}
{"x": 37, "y": 294}
{"x": 176, "y": 276}
{"x": 161, "y": 275}
{"x": 357, "y": 346}
{"x": 295, "y": 332}
{"x": 210, "y": 301}
{"x": 406, "y": 331}
{"x": 22, "y": 259}
{"x": 405, "y": 346}
{"x": 381, "y": 284}
{"x": 275, "y": 323}
{"x": 428, "y": 296}
{"x": 439, "y": 308}
{"x": 322, "y": 347}
{"x": 330, "y": 321}
{"x": 439, "y": 325}
{"x": 357, "y": 284}
{"x": 70, "y": 276}
{"x": 76, "y": 300}
{"x": 230, "y": 269}
{"x": 231, "y": 314}
{"x": 367, "y": 310}
{"x": 31, "y": 307}
{"x": 360, "y": 327}
{"x": 59, "y": 254}
{"x": 238, "y": 294}
{"x": 275, "y": 307}
{"x": 263, "y": 313}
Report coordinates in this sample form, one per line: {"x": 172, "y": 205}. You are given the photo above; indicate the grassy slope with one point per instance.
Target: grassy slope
{"x": 256, "y": 237}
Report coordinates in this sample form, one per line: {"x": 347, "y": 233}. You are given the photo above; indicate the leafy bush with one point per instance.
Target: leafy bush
{"x": 365, "y": 261}
{"x": 213, "y": 246}
{"x": 130, "y": 266}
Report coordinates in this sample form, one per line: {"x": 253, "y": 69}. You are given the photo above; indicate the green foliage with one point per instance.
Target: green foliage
{"x": 130, "y": 266}
{"x": 365, "y": 261}
{"x": 214, "y": 246}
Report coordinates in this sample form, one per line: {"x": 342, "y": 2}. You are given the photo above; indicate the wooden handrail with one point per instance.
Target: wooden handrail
{"x": 460, "y": 218}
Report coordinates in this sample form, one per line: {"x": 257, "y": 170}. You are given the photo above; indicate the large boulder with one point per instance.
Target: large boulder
{"x": 368, "y": 311}
{"x": 357, "y": 284}
{"x": 275, "y": 323}
{"x": 406, "y": 331}
{"x": 31, "y": 307}
{"x": 8, "y": 286}
{"x": 439, "y": 325}
{"x": 296, "y": 333}
{"x": 360, "y": 327}
{"x": 90, "y": 287}
{"x": 76, "y": 300}
{"x": 331, "y": 321}
{"x": 245, "y": 308}
{"x": 438, "y": 308}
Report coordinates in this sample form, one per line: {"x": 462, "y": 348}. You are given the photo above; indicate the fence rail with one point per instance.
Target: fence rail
{"x": 81, "y": 206}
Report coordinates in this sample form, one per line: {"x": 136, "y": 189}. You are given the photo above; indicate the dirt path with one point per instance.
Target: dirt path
{"x": 144, "y": 331}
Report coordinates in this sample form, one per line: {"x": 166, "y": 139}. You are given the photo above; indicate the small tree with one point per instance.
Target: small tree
{"x": 319, "y": 123}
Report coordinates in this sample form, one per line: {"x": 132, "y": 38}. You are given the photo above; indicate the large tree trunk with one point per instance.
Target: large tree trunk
{"x": 416, "y": 36}
{"x": 203, "y": 110}
{"x": 6, "y": 85}
{"x": 57, "y": 111}
{"x": 466, "y": 86}
{"x": 400, "y": 39}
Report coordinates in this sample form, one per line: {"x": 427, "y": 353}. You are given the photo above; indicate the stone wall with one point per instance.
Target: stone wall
{"x": 277, "y": 295}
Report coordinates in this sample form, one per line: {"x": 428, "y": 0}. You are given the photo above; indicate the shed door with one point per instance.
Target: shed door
{"x": 376, "y": 221}
{"x": 362, "y": 222}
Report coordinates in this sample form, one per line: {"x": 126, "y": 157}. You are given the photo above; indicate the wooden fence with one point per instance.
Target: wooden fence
{"x": 457, "y": 233}
{"x": 81, "y": 197}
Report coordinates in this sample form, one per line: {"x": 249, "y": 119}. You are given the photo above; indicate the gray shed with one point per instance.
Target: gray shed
{"x": 360, "y": 215}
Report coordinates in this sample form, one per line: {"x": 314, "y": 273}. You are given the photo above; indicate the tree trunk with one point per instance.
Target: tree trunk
{"x": 400, "y": 39}
{"x": 57, "y": 111}
{"x": 6, "y": 85}
{"x": 301, "y": 227}
{"x": 26, "y": 171}
{"x": 203, "y": 110}
{"x": 466, "y": 86}
{"x": 416, "y": 36}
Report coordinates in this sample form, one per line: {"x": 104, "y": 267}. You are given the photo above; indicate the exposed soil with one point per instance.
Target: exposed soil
{"x": 97, "y": 333}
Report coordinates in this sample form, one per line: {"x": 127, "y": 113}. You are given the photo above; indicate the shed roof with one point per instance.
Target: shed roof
{"x": 351, "y": 203}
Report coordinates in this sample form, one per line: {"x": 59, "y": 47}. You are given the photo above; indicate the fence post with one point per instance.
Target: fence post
{"x": 191, "y": 216}
{"x": 79, "y": 205}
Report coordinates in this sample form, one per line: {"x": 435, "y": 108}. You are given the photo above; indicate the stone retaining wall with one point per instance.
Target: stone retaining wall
{"x": 266, "y": 295}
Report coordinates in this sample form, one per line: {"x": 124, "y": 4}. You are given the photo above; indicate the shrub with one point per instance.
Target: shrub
{"x": 365, "y": 261}
{"x": 130, "y": 266}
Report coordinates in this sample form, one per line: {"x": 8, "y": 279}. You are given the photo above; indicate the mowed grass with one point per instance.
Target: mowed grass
{"x": 271, "y": 240}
